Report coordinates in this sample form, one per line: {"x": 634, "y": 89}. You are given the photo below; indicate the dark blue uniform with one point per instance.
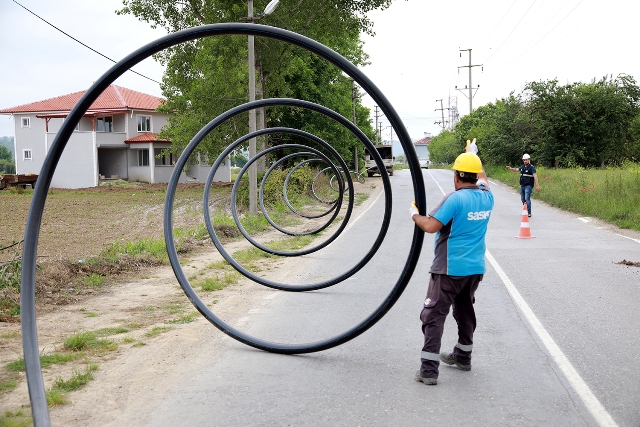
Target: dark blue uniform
{"x": 526, "y": 184}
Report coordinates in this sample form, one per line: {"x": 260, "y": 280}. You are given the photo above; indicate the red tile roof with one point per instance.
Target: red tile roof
{"x": 423, "y": 141}
{"x": 146, "y": 137}
{"x": 113, "y": 98}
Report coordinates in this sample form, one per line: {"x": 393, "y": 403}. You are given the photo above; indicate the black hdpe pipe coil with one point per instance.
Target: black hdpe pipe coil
{"x": 286, "y": 198}
{"x": 33, "y": 370}
{"x": 182, "y": 161}
{"x": 239, "y": 141}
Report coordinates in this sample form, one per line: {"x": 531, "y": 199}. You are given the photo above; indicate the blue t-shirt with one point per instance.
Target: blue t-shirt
{"x": 460, "y": 245}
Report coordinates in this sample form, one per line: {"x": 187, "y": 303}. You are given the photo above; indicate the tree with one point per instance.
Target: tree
{"x": 238, "y": 159}
{"x": 445, "y": 147}
{"x": 206, "y": 77}
{"x": 582, "y": 124}
{"x": 577, "y": 124}
{"x": 7, "y": 141}
{"x": 6, "y": 160}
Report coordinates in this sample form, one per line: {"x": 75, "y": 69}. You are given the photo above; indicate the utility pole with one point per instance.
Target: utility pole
{"x": 354, "y": 96}
{"x": 441, "y": 109}
{"x": 253, "y": 169}
{"x": 353, "y": 102}
{"x": 377, "y": 114}
{"x": 470, "y": 87}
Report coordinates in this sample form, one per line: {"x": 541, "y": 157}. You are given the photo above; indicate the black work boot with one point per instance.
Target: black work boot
{"x": 449, "y": 360}
{"x": 425, "y": 380}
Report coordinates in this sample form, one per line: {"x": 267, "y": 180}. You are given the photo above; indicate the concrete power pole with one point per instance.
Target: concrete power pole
{"x": 470, "y": 87}
{"x": 253, "y": 169}
{"x": 378, "y": 132}
{"x": 354, "y": 96}
{"x": 443, "y": 123}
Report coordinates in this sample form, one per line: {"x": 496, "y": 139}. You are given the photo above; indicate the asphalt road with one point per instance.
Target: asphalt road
{"x": 556, "y": 344}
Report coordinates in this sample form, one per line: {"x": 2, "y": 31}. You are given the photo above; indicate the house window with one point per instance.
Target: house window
{"x": 26, "y": 154}
{"x": 144, "y": 123}
{"x": 143, "y": 157}
{"x": 105, "y": 124}
{"x": 26, "y": 122}
{"x": 164, "y": 158}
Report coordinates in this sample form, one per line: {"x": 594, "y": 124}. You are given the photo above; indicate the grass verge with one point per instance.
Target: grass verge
{"x": 610, "y": 194}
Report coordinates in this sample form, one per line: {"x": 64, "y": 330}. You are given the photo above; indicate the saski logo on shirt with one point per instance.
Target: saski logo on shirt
{"x": 477, "y": 216}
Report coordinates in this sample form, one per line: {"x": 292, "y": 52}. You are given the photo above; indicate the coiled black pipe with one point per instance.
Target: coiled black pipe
{"x": 35, "y": 381}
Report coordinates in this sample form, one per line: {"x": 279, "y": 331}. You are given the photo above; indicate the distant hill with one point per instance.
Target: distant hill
{"x": 7, "y": 141}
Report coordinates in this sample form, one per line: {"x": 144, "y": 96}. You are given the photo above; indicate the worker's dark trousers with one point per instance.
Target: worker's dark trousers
{"x": 443, "y": 292}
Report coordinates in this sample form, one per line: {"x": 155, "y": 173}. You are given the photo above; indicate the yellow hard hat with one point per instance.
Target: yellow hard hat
{"x": 467, "y": 162}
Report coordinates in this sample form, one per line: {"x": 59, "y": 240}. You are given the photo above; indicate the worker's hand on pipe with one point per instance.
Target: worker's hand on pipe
{"x": 413, "y": 210}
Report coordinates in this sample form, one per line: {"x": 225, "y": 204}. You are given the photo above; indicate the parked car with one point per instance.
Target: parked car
{"x": 424, "y": 163}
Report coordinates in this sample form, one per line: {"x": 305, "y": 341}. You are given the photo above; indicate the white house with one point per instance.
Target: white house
{"x": 422, "y": 149}
{"x": 116, "y": 138}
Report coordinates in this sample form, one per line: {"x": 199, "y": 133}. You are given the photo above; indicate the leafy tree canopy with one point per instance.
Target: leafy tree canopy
{"x": 5, "y": 154}
{"x": 6, "y": 160}
{"x": 577, "y": 124}
{"x": 207, "y": 77}
{"x": 7, "y": 141}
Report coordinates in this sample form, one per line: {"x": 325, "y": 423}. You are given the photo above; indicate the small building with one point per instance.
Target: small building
{"x": 422, "y": 148}
{"x": 116, "y": 138}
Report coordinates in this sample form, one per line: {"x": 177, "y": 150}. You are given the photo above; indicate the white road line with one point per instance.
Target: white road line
{"x": 627, "y": 237}
{"x": 437, "y": 183}
{"x": 585, "y": 219}
{"x": 579, "y": 385}
{"x": 363, "y": 212}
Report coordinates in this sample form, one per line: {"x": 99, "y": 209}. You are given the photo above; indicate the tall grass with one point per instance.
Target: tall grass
{"x": 611, "y": 194}
{"x": 154, "y": 247}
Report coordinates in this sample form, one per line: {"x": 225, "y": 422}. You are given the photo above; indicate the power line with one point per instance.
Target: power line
{"x": 75, "y": 39}
{"x": 499, "y": 22}
{"x": 509, "y": 35}
{"x": 573, "y": 29}
{"x": 543, "y": 37}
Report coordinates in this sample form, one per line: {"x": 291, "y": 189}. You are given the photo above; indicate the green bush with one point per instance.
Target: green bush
{"x": 299, "y": 184}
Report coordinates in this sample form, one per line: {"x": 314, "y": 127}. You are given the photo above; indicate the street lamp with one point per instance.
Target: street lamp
{"x": 253, "y": 170}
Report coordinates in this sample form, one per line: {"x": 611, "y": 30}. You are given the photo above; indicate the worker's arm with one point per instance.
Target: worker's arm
{"x": 513, "y": 169}
{"x": 535, "y": 179}
{"x": 426, "y": 223}
{"x": 482, "y": 179}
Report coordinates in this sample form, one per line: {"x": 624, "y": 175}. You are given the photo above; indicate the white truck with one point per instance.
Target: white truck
{"x": 386, "y": 153}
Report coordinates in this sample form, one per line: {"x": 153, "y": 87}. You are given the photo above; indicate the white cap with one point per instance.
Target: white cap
{"x": 526, "y": 156}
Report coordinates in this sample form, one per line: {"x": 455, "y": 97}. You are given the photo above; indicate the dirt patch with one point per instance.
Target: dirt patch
{"x": 79, "y": 223}
{"x": 141, "y": 308}
{"x": 629, "y": 263}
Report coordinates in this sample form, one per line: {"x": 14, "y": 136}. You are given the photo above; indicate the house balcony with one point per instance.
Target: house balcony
{"x": 103, "y": 139}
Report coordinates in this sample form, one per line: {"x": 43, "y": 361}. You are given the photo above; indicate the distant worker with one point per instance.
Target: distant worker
{"x": 528, "y": 178}
{"x": 460, "y": 223}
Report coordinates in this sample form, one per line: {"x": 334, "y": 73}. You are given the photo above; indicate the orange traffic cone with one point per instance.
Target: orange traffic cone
{"x": 525, "y": 231}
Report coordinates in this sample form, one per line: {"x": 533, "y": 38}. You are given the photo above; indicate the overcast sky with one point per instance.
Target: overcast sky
{"x": 414, "y": 56}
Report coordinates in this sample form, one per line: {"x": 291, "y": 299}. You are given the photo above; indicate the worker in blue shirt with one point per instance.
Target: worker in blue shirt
{"x": 460, "y": 223}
